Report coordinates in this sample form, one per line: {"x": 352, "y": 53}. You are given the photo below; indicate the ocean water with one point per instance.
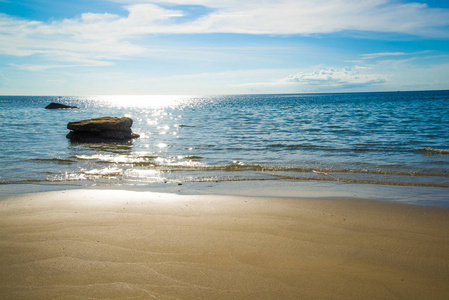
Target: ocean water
{"x": 399, "y": 138}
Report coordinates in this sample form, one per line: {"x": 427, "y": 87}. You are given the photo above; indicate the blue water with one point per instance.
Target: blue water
{"x": 399, "y": 138}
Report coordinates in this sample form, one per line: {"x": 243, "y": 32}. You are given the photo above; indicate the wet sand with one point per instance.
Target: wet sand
{"x": 125, "y": 244}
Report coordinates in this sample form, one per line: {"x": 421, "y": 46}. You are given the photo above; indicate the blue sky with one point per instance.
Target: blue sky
{"x": 86, "y": 47}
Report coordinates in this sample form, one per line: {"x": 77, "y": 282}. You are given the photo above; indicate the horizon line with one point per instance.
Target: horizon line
{"x": 243, "y": 94}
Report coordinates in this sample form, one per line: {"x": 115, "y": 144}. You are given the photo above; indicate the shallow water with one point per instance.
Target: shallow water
{"x": 368, "y": 138}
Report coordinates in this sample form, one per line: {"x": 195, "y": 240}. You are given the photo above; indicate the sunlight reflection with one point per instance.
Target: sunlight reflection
{"x": 145, "y": 100}
{"x": 162, "y": 145}
{"x": 148, "y": 175}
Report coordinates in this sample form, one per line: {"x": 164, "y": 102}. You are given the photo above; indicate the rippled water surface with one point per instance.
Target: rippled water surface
{"x": 387, "y": 138}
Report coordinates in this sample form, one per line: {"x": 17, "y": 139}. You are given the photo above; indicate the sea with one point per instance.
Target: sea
{"x": 370, "y": 140}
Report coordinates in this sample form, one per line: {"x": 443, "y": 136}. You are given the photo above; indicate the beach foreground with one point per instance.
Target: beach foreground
{"x": 125, "y": 244}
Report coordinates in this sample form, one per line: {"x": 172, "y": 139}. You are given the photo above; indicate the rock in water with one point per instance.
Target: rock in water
{"x": 105, "y": 129}
{"x": 101, "y": 124}
{"x": 55, "y": 105}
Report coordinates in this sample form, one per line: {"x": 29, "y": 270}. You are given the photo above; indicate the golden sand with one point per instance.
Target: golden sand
{"x": 120, "y": 244}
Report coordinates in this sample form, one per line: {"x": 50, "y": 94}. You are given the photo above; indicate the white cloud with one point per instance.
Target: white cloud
{"x": 387, "y": 54}
{"x": 35, "y": 67}
{"x": 337, "y": 78}
{"x": 309, "y": 17}
{"x": 376, "y": 55}
{"x": 318, "y": 79}
{"x": 94, "y": 39}
{"x": 83, "y": 41}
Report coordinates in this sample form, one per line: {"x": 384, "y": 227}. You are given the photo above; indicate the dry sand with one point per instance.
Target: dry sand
{"x": 101, "y": 244}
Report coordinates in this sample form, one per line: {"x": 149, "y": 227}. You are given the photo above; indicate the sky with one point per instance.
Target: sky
{"x": 198, "y": 47}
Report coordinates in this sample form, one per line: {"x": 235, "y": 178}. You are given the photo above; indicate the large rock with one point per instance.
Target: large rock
{"x": 105, "y": 129}
{"x": 55, "y": 105}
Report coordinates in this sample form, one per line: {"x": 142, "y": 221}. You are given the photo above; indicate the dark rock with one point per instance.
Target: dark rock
{"x": 54, "y": 105}
{"x": 102, "y": 124}
{"x": 105, "y": 129}
{"x": 87, "y": 137}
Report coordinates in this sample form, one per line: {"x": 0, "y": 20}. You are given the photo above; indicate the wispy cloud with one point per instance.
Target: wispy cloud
{"x": 36, "y": 67}
{"x": 94, "y": 38}
{"x": 383, "y": 54}
{"x": 326, "y": 16}
{"x": 321, "y": 79}
{"x": 307, "y": 17}
{"x": 336, "y": 78}
{"x": 391, "y": 54}
{"x": 87, "y": 40}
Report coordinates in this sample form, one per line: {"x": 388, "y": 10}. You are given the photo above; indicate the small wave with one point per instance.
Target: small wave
{"x": 386, "y": 149}
{"x": 193, "y": 157}
{"x": 295, "y": 146}
{"x": 57, "y": 160}
{"x": 118, "y": 159}
{"x": 430, "y": 151}
{"x": 321, "y": 173}
{"x": 148, "y": 157}
{"x": 104, "y": 172}
{"x": 67, "y": 176}
{"x": 238, "y": 166}
{"x": 25, "y": 181}
{"x": 92, "y": 174}
{"x": 361, "y": 148}
{"x": 195, "y": 162}
{"x": 184, "y": 126}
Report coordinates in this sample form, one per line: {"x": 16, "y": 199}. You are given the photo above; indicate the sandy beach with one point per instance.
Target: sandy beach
{"x": 100, "y": 244}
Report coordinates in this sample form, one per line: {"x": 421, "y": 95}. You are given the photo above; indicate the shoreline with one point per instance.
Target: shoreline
{"x": 118, "y": 243}
{"x": 415, "y": 195}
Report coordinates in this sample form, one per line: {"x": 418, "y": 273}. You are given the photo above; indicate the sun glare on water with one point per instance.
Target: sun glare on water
{"x": 145, "y": 100}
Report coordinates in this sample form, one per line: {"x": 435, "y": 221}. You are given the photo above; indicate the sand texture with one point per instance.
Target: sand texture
{"x": 102, "y": 244}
